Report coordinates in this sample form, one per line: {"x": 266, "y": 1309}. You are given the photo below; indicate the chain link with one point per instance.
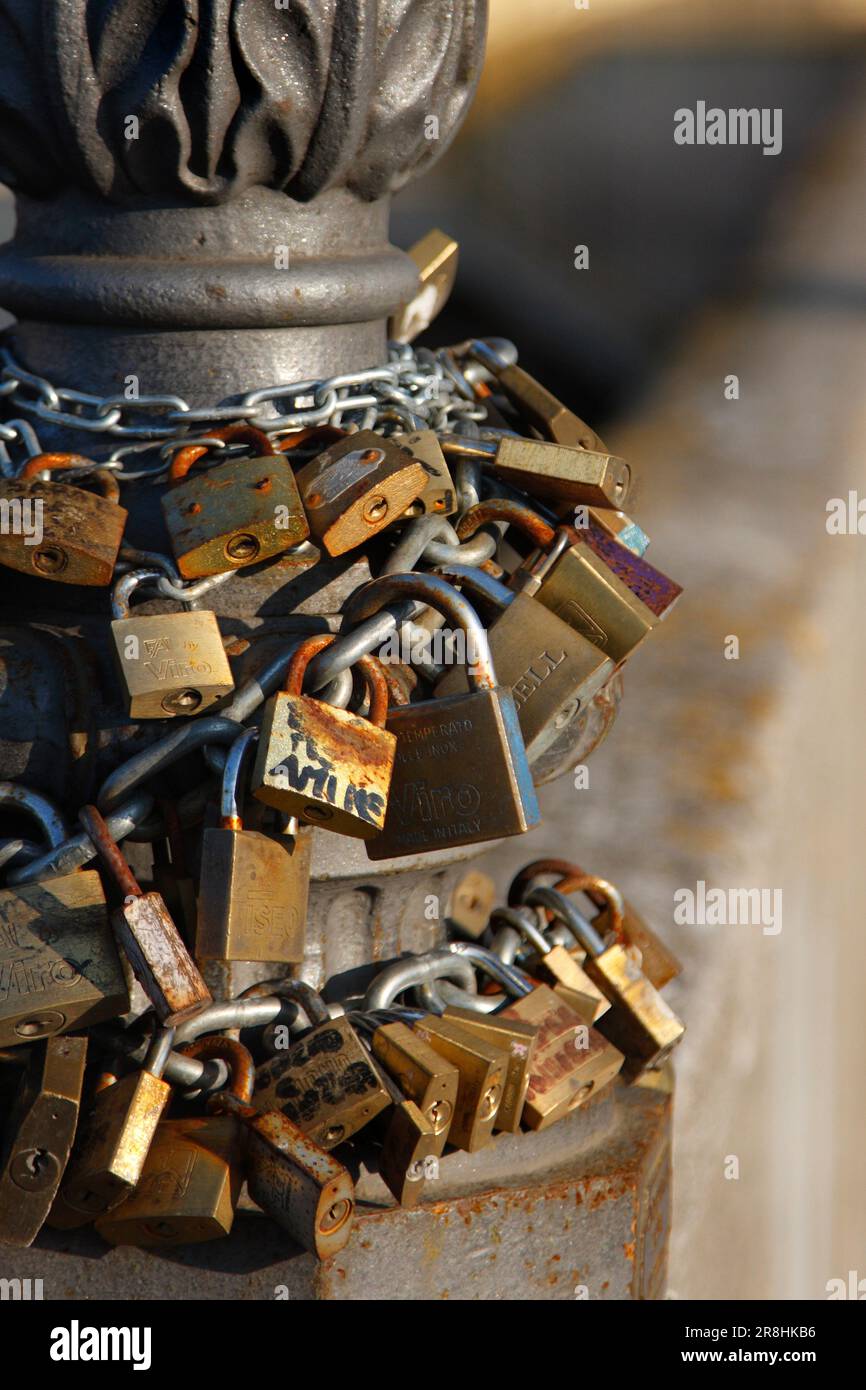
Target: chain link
{"x": 413, "y": 389}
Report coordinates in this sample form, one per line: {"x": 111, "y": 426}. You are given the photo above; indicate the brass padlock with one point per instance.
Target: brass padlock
{"x": 357, "y": 487}
{"x": 147, "y": 935}
{"x": 436, "y": 256}
{"x": 422, "y": 1075}
{"x": 115, "y": 1139}
{"x": 409, "y": 1157}
{"x": 439, "y": 497}
{"x": 616, "y": 525}
{"x": 551, "y": 669}
{"x": 552, "y": 472}
{"x": 298, "y": 1184}
{"x": 518, "y": 1041}
{"x": 460, "y": 772}
{"x": 539, "y": 408}
{"x": 326, "y": 1083}
{"x": 192, "y": 1177}
{"x": 235, "y": 514}
{"x": 59, "y": 966}
{"x": 471, "y": 902}
{"x": 554, "y": 964}
{"x": 39, "y": 1133}
{"x": 253, "y": 890}
{"x": 482, "y": 1068}
{"x": 169, "y": 663}
{"x": 326, "y": 766}
{"x": 57, "y": 531}
{"x": 572, "y": 1060}
{"x": 639, "y": 1022}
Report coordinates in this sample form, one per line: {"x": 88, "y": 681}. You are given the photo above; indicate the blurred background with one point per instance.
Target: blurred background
{"x": 707, "y": 262}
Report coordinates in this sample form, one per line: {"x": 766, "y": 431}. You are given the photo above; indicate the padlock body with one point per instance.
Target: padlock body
{"x": 171, "y": 663}
{"x": 357, "y": 487}
{"x": 551, "y": 670}
{"x": 80, "y": 532}
{"x": 253, "y": 896}
{"x": 159, "y": 959}
{"x": 563, "y": 971}
{"x": 557, "y": 471}
{"x": 439, "y": 497}
{"x": 326, "y": 1084}
{"x": 657, "y": 962}
{"x": 324, "y": 765}
{"x": 300, "y": 1186}
{"x": 113, "y": 1146}
{"x": 471, "y": 903}
{"x": 189, "y": 1186}
{"x": 236, "y": 514}
{"x": 59, "y": 966}
{"x": 572, "y": 1059}
{"x": 422, "y": 1075}
{"x": 639, "y": 1022}
{"x": 460, "y": 775}
{"x": 482, "y": 1070}
{"x": 38, "y": 1137}
{"x": 409, "y": 1140}
{"x": 518, "y": 1041}
{"x": 582, "y": 591}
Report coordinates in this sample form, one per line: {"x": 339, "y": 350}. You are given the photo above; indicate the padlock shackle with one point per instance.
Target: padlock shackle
{"x": 370, "y": 667}
{"x": 159, "y": 1051}
{"x": 596, "y": 888}
{"x": 515, "y": 980}
{"x": 297, "y": 991}
{"x": 330, "y": 434}
{"x": 126, "y": 586}
{"x": 479, "y": 582}
{"x": 417, "y": 970}
{"x": 230, "y": 816}
{"x": 108, "y": 852}
{"x": 568, "y": 875}
{"x": 517, "y": 514}
{"x": 238, "y": 1059}
{"x": 436, "y": 593}
{"x": 409, "y": 550}
{"x": 566, "y": 911}
{"x": 79, "y": 849}
{"x": 523, "y": 920}
{"x": 240, "y": 433}
{"x": 50, "y": 463}
{"x": 47, "y": 816}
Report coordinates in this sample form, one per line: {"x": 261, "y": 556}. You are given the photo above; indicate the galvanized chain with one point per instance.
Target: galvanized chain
{"x": 413, "y": 389}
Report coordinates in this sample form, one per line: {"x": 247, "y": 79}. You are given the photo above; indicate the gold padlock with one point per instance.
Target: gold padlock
{"x": 57, "y": 531}
{"x": 518, "y": 1041}
{"x": 551, "y": 472}
{"x": 236, "y": 514}
{"x": 482, "y": 1068}
{"x": 436, "y": 256}
{"x": 553, "y": 964}
{"x": 539, "y": 408}
{"x": 409, "y": 1157}
{"x": 357, "y": 487}
{"x": 422, "y": 1075}
{"x": 115, "y": 1140}
{"x": 326, "y": 1083}
{"x": 147, "y": 935}
{"x": 169, "y": 663}
{"x": 192, "y": 1177}
{"x": 40, "y": 1130}
{"x": 325, "y": 765}
{"x": 253, "y": 890}
{"x": 439, "y": 497}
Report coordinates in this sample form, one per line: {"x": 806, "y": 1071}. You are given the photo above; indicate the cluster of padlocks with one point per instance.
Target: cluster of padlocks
{"x": 510, "y": 588}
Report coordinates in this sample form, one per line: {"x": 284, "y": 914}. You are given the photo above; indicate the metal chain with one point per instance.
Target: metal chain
{"x": 412, "y": 389}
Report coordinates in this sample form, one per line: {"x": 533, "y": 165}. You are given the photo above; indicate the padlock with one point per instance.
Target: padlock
{"x": 39, "y": 1133}
{"x": 551, "y": 472}
{"x": 482, "y": 1068}
{"x": 439, "y": 497}
{"x": 59, "y": 966}
{"x": 551, "y": 669}
{"x": 115, "y": 1140}
{"x": 234, "y": 514}
{"x": 357, "y": 487}
{"x": 169, "y": 663}
{"x": 436, "y": 256}
{"x": 460, "y": 773}
{"x": 409, "y": 1156}
{"x": 639, "y": 1022}
{"x": 555, "y": 965}
{"x": 655, "y": 959}
{"x": 422, "y": 1075}
{"x": 192, "y": 1177}
{"x": 298, "y": 1184}
{"x": 614, "y": 524}
{"x": 518, "y": 1041}
{"x": 326, "y": 1083}
{"x": 326, "y": 766}
{"x": 572, "y": 1062}
{"x": 58, "y": 531}
{"x": 539, "y": 408}
{"x": 253, "y": 889}
{"x": 471, "y": 902}
{"x": 147, "y": 935}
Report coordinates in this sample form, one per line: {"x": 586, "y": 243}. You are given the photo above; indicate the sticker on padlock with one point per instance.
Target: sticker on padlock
{"x": 39, "y": 1133}
{"x": 236, "y": 513}
{"x": 357, "y": 487}
{"x": 253, "y": 889}
{"x": 325, "y": 765}
{"x": 461, "y": 774}
{"x": 169, "y": 663}
{"x": 59, "y": 965}
{"x": 192, "y": 1177}
{"x": 58, "y": 531}
{"x": 147, "y": 935}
